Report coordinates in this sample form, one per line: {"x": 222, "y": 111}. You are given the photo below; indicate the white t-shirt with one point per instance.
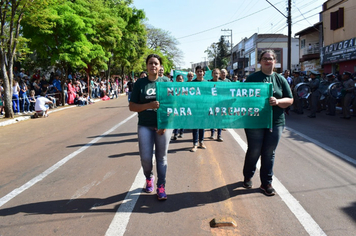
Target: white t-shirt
{"x": 40, "y": 103}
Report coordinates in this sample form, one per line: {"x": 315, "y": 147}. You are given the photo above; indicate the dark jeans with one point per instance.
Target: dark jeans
{"x": 16, "y": 103}
{"x": 24, "y": 101}
{"x": 147, "y": 139}
{"x": 176, "y": 131}
{"x": 261, "y": 142}
{"x": 213, "y": 132}
{"x": 198, "y": 134}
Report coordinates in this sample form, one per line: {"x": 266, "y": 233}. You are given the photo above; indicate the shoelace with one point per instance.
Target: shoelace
{"x": 149, "y": 183}
{"x": 161, "y": 190}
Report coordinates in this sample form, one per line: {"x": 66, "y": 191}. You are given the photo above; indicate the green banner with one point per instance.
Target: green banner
{"x": 208, "y": 75}
{"x": 204, "y": 105}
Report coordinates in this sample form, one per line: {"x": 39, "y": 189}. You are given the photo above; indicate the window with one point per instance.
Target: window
{"x": 337, "y": 19}
{"x": 302, "y": 43}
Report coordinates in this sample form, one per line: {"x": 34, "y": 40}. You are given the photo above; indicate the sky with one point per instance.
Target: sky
{"x": 196, "y": 24}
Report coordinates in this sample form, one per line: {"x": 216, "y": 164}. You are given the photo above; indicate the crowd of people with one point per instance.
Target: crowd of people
{"x": 27, "y": 88}
{"x": 318, "y": 92}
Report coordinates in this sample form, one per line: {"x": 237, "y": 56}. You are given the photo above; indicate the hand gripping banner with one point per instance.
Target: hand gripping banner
{"x": 206, "y": 105}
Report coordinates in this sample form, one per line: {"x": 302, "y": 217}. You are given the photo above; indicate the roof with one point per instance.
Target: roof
{"x": 310, "y": 29}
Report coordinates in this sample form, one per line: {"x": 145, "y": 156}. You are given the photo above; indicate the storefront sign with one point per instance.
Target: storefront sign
{"x": 341, "y": 51}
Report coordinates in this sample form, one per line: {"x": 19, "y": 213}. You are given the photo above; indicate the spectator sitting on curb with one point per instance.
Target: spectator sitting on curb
{"x": 40, "y": 106}
{"x": 51, "y": 98}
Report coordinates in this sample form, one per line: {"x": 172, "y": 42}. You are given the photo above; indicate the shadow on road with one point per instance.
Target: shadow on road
{"x": 114, "y": 135}
{"x": 104, "y": 143}
{"x": 351, "y": 211}
{"x": 147, "y": 203}
{"x": 124, "y": 154}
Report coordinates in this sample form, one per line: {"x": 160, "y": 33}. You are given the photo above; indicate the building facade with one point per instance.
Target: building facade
{"x": 338, "y": 53}
{"x": 310, "y": 41}
{"x": 248, "y": 50}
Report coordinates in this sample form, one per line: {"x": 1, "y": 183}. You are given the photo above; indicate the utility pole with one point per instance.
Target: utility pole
{"x": 289, "y": 22}
{"x": 230, "y": 44}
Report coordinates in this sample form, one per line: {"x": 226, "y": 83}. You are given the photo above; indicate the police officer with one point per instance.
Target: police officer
{"x": 331, "y": 100}
{"x": 298, "y": 102}
{"x": 349, "y": 86}
{"x": 316, "y": 94}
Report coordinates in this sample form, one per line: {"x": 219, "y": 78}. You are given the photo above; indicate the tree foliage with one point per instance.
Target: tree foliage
{"x": 12, "y": 12}
{"x": 161, "y": 40}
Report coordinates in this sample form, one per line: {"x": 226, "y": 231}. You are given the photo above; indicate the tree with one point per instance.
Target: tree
{"x": 222, "y": 53}
{"x": 218, "y": 53}
{"x": 158, "y": 39}
{"x": 12, "y": 12}
{"x": 212, "y": 52}
{"x": 64, "y": 34}
{"x": 131, "y": 49}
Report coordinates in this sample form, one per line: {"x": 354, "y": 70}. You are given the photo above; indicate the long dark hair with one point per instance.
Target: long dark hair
{"x": 155, "y": 56}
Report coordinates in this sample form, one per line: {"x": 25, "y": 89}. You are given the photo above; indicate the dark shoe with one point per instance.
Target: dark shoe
{"x": 180, "y": 136}
{"x": 220, "y": 139}
{"x": 247, "y": 183}
{"x": 312, "y": 116}
{"x": 268, "y": 190}
{"x": 174, "y": 137}
{"x": 211, "y": 137}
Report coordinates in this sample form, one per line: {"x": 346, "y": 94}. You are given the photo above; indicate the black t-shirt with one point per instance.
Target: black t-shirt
{"x": 144, "y": 91}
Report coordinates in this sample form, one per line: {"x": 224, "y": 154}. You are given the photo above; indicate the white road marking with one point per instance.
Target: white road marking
{"x": 122, "y": 216}
{"x": 301, "y": 214}
{"x": 47, "y": 172}
{"x": 337, "y": 153}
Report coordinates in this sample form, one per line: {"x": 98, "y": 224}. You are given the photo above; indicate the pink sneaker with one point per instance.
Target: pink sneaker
{"x": 149, "y": 185}
{"x": 161, "y": 193}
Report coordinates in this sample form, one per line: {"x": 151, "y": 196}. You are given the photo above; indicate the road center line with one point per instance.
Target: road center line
{"x": 301, "y": 214}
{"x": 122, "y": 216}
{"x": 47, "y": 172}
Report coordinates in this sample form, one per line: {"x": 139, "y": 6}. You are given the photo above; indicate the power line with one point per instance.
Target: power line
{"x": 225, "y": 23}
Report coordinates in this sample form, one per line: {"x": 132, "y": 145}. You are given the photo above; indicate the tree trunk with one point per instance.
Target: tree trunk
{"x": 9, "y": 113}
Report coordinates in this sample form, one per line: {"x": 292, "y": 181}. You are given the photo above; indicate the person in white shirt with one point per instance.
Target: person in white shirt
{"x": 40, "y": 106}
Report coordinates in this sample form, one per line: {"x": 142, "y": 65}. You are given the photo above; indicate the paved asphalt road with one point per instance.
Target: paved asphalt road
{"x": 77, "y": 172}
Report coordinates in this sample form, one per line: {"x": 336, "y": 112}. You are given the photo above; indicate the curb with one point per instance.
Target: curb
{"x": 22, "y": 118}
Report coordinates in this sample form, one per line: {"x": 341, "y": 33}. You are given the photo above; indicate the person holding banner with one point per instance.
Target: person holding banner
{"x": 179, "y": 78}
{"x": 216, "y": 75}
{"x": 143, "y": 101}
{"x": 263, "y": 142}
{"x": 198, "y": 134}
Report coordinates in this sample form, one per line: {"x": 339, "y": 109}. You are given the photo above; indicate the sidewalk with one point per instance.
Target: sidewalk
{"x": 18, "y": 118}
